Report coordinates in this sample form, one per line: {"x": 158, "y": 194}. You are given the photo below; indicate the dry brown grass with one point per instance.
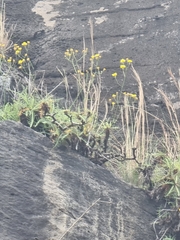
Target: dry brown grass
{"x": 5, "y": 35}
{"x": 171, "y": 125}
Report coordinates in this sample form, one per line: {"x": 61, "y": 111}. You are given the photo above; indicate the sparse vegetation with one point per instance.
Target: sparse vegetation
{"x": 120, "y": 139}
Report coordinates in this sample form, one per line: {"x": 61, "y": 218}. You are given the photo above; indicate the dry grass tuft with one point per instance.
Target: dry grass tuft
{"x": 5, "y": 35}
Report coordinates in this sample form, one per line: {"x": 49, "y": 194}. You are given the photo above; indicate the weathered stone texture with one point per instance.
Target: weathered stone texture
{"x": 43, "y": 192}
{"x": 146, "y": 31}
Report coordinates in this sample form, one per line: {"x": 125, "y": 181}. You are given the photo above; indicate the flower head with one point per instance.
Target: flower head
{"x": 133, "y": 95}
{"x": 114, "y": 74}
{"x": 24, "y": 44}
{"x": 20, "y": 62}
{"x": 96, "y": 56}
{"x": 122, "y": 66}
{"x": 129, "y": 60}
{"x": 122, "y": 60}
{"x": 17, "y": 52}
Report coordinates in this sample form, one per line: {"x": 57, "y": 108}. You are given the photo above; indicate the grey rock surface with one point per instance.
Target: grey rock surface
{"x": 46, "y": 194}
{"x": 146, "y": 31}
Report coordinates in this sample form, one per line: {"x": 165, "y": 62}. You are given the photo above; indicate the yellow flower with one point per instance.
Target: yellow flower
{"x": 25, "y": 55}
{"x": 17, "y": 52}
{"x": 24, "y": 44}
{"x": 67, "y": 54}
{"x": 9, "y": 60}
{"x": 104, "y": 69}
{"x": 122, "y": 60}
{"x": 20, "y": 62}
{"x": 122, "y": 66}
{"x": 98, "y": 68}
{"x": 133, "y": 95}
{"x": 28, "y": 42}
{"x": 71, "y": 50}
{"x": 110, "y": 100}
{"x": 113, "y": 103}
{"x": 76, "y": 51}
{"x": 97, "y": 56}
{"x": 114, "y": 74}
{"x": 28, "y": 59}
{"x": 129, "y": 60}
{"x": 113, "y": 95}
{"x": 20, "y": 67}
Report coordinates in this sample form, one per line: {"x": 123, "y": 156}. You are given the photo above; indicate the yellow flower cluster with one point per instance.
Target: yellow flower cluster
{"x": 124, "y": 62}
{"x": 132, "y": 95}
{"x": 21, "y": 57}
{"x": 18, "y": 49}
{"x": 123, "y": 65}
{"x": 21, "y": 61}
{"x": 96, "y": 56}
{"x": 20, "y": 52}
{"x": 114, "y": 99}
{"x": 70, "y": 52}
{"x": 11, "y": 60}
{"x": 24, "y": 44}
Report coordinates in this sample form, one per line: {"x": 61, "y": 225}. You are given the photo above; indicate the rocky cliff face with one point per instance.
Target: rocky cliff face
{"x": 48, "y": 194}
{"x": 146, "y": 31}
